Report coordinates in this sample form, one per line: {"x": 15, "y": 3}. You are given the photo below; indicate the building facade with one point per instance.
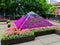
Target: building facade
{"x": 56, "y": 3}
{"x": 57, "y": 11}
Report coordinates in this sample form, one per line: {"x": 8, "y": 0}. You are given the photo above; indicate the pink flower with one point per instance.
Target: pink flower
{"x": 24, "y": 31}
{"x": 42, "y": 27}
{"x": 8, "y": 32}
{"x": 57, "y": 26}
{"x": 36, "y": 28}
{"x": 50, "y": 27}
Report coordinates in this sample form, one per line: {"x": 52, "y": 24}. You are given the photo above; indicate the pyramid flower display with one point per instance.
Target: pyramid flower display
{"x": 31, "y": 20}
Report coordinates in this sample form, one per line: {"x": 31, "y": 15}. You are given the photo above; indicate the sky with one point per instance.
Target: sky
{"x": 58, "y": 0}
{"x": 53, "y": 0}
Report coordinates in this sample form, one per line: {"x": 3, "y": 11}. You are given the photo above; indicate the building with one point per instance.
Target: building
{"x": 57, "y": 11}
{"x": 56, "y": 3}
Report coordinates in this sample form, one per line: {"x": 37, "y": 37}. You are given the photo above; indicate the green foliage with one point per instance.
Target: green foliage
{"x": 52, "y": 8}
{"x": 36, "y": 30}
{"x": 20, "y": 7}
{"x": 4, "y": 37}
{"x": 38, "y": 6}
{"x": 13, "y": 36}
{"x": 27, "y": 34}
{"x": 49, "y": 29}
{"x": 57, "y": 28}
{"x": 43, "y": 29}
{"x": 8, "y": 6}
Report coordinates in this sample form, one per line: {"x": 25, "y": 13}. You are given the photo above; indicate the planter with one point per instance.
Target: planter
{"x": 57, "y": 32}
{"x": 44, "y": 32}
{"x": 17, "y": 40}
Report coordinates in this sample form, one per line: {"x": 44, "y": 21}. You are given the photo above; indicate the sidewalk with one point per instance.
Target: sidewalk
{"x": 3, "y": 28}
{"x": 51, "y": 39}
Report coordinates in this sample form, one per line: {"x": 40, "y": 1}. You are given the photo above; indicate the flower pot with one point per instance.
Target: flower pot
{"x": 44, "y": 32}
{"x": 17, "y": 40}
{"x": 57, "y": 32}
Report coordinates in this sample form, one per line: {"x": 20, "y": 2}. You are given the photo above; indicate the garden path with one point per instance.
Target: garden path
{"x": 51, "y": 39}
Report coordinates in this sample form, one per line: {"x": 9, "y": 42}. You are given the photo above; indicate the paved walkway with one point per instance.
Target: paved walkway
{"x": 3, "y": 27}
{"x": 51, "y": 39}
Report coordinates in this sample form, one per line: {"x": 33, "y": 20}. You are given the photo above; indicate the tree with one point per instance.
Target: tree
{"x": 21, "y": 7}
{"x": 3, "y": 6}
{"x": 52, "y": 8}
{"x": 38, "y": 6}
{"x": 8, "y": 6}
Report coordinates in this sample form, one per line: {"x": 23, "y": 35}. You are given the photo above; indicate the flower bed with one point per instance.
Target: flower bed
{"x": 3, "y": 19}
{"x": 16, "y": 36}
{"x": 31, "y": 21}
{"x": 43, "y": 31}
